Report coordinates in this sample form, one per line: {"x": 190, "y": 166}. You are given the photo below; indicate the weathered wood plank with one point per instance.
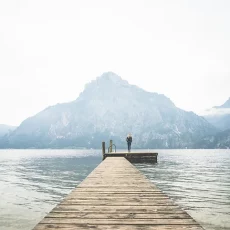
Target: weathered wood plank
{"x": 117, "y": 215}
{"x": 117, "y": 186}
{"x": 118, "y": 202}
{"x": 129, "y": 209}
{"x": 81, "y": 191}
{"x": 115, "y": 203}
{"x": 123, "y": 211}
{"x": 114, "y": 189}
{"x": 114, "y": 227}
{"x": 100, "y": 183}
{"x": 119, "y": 221}
{"x": 117, "y": 195}
{"x": 119, "y": 199}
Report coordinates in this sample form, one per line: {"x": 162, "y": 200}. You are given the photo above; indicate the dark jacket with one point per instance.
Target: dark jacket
{"x": 129, "y": 139}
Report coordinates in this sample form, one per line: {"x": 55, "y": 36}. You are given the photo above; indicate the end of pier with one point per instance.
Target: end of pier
{"x": 132, "y": 157}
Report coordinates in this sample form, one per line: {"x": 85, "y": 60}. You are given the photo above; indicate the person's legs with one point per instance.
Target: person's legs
{"x": 129, "y": 146}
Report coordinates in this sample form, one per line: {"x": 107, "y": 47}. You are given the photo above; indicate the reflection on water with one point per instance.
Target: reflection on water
{"x": 32, "y": 182}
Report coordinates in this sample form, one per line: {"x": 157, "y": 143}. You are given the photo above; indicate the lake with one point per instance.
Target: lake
{"x": 32, "y": 182}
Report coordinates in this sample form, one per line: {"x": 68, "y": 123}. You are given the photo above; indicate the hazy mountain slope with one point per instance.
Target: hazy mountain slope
{"x": 109, "y": 107}
{"x": 220, "y": 140}
{"x": 219, "y": 116}
{"x": 5, "y": 129}
{"x": 221, "y": 122}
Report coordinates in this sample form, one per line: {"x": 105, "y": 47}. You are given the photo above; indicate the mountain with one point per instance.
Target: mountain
{"x": 6, "y": 129}
{"x": 219, "y": 116}
{"x": 221, "y": 140}
{"x": 109, "y": 108}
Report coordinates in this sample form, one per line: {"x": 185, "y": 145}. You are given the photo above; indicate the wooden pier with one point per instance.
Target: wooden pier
{"x": 117, "y": 196}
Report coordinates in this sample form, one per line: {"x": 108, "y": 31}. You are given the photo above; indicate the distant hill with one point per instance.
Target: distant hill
{"x": 221, "y": 140}
{"x": 6, "y": 129}
{"x": 219, "y": 116}
{"x": 109, "y": 108}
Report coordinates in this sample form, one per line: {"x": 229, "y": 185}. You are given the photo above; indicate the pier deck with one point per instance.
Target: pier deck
{"x": 117, "y": 196}
{"x": 135, "y": 157}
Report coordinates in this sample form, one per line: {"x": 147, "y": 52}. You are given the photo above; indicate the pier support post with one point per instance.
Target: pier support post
{"x": 103, "y": 150}
{"x": 111, "y": 146}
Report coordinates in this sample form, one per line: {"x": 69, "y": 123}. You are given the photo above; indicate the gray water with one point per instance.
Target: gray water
{"x": 32, "y": 182}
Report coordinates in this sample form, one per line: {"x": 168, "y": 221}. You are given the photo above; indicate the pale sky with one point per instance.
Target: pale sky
{"x": 49, "y": 49}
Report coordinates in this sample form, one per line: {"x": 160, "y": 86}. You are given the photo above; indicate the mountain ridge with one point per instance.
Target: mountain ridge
{"x": 219, "y": 116}
{"x": 5, "y": 129}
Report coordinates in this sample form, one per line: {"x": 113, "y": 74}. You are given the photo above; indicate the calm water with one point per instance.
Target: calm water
{"x": 32, "y": 182}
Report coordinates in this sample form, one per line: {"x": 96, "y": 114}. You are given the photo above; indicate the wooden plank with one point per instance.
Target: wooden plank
{"x": 110, "y": 186}
{"x": 111, "y": 181}
{"x": 114, "y": 189}
{"x": 119, "y": 199}
{"x": 115, "y": 203}
{"x": 110, "y": 193}
{"x": 124, "y": 209}
{"x": 114, "y": 227}
{"x": 117, "y": 196}
{"x": 117, "y": 215}
{"x": 118, "y": 202}
{"x": 112, "y": 211}
{"x": 119, "y": 221}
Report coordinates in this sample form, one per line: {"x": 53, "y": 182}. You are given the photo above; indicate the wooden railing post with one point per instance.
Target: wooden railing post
{"x": 103, "y": 150}
{"x": 111, "y": 146}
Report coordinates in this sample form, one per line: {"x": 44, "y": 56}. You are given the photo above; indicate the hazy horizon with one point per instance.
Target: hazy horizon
{"x": 50, "y": 49}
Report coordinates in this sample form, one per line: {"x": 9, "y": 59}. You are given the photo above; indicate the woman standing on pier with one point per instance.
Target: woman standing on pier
{"x": 129, "y": 141}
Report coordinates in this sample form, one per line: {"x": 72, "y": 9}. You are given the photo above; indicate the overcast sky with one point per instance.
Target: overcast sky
{"x": 49, "y": 49}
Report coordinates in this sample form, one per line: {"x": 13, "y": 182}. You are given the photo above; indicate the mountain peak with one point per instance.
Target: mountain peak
{"x": 111, "y": 77}
{"x": 111, "y": 86}
{"x": 105, "y": 81}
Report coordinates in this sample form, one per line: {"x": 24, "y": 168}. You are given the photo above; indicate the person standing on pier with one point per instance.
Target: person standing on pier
{"x": 129, "y": 140}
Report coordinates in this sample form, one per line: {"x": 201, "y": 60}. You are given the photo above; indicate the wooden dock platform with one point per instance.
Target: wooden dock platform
{"x": 135, "y": 157}
{"x": 117, "y": 196}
